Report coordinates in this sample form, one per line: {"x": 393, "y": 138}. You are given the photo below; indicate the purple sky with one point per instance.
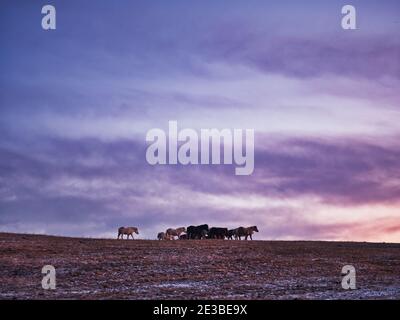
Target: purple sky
{"x": 76, "y": 103}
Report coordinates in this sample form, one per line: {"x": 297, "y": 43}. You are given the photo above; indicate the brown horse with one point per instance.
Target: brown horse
{"x": 245, "y": 232}
{"x": 163, "y": 236}
{"x": 128, "y": 231}
{"x": 175, "y": 232}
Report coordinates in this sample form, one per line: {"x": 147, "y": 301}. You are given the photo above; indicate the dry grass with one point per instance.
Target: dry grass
{"x": 194, "y": 269}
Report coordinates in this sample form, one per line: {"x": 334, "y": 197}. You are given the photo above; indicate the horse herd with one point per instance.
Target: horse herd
{"x": 196, "y": 232}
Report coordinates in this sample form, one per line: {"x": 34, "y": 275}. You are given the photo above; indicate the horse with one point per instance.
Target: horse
{"x": 231, "y": 234}
{"x": 175, "y": 232}
{"x": 161, "y": 236}
{"x": 128, "y": 231}
{"x": 164, "y": 236}
{"x": 245, "y": 232}
{"x": 197, "y": 232}
{"x": 183, "y": 236}
{"x": 218, "y": 233}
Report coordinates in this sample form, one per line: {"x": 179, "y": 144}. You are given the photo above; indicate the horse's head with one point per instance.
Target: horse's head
{"x": 254, "y": 228}
{"x": 136, "y": 230}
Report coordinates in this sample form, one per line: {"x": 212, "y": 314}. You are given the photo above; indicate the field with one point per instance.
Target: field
{"x": 195, "y": 269}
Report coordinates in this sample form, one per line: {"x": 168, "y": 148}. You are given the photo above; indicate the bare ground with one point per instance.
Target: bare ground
{"x": 195, "y": 269}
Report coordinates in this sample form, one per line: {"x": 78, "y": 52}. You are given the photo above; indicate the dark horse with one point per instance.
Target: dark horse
{"x": 218, "y": 233}
{"x": 197, "y": 232}
{"x": 231, "y": 234}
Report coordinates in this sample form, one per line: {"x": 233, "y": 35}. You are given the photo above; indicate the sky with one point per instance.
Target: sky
{"x": 76, "y": 104}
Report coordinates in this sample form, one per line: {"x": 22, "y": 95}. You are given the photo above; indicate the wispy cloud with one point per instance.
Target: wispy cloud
{"x": 109, "y": 183}
{"x": 324, "y": 104}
